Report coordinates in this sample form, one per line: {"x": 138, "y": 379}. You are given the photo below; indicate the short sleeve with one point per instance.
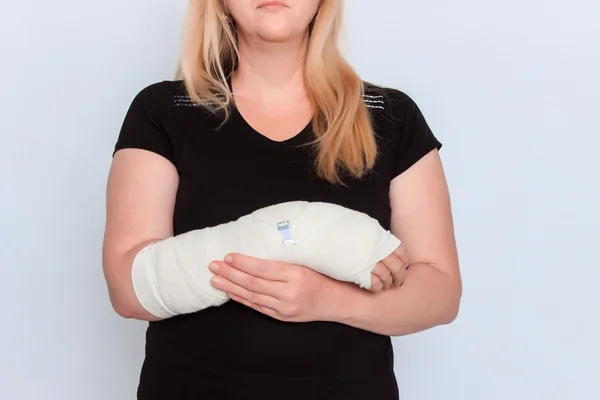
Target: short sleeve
{"x": 414, "y": 137}
{"x": 147, "y": 122}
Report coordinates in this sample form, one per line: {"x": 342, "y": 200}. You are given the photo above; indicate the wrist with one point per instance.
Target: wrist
{"x": 344, "y": 301}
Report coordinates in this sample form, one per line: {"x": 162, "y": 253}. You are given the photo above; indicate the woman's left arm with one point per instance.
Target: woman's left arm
{"x": 430, "y": 296}
{"x": 431, "y": 292}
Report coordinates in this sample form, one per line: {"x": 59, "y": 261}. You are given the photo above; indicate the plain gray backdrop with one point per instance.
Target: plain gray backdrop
{"x": 511, "y": 88}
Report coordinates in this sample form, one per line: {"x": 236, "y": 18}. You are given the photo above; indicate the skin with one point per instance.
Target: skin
{"x": 271, "y": 96}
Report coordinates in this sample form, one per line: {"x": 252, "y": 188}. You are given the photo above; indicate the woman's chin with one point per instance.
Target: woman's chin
{"x": 276, "y": 35}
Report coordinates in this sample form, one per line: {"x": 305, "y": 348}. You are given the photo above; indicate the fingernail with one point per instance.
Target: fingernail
{"x": 228, "y": 259}
{"x": 214, "y": 268}
{"x": 217, "y": 281}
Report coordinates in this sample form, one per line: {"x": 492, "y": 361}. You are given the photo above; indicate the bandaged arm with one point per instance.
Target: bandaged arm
{"x": 171, "y": 277}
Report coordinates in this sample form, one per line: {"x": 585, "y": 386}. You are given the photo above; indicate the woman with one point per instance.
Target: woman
{"x": 268, "y": 111}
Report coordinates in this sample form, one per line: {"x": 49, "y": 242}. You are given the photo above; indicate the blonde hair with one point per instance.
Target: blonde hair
{"x": 344, "y": 136}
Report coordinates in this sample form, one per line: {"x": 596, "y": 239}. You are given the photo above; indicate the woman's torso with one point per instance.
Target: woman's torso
{"x": 232, "y": 351}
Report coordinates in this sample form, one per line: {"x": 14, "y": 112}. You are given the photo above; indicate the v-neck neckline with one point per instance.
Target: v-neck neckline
{"x": 297, "y": 139}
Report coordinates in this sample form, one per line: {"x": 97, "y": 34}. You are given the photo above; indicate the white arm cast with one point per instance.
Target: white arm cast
{"x": 171, "y": 277}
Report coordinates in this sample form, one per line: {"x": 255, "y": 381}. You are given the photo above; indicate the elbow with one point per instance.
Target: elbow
{"x": 122, "y": 307}
{"x": 122, "y": 298}
{"x": 120, "y": 291}
{"x": 125, "y": 312}
{"x": 450, "y": 312}
{"x": 127, "y": 306}
{"x": 133, "y": 310}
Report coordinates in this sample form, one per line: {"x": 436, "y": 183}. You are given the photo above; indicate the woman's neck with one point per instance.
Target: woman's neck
{"x": 270, "y": 72}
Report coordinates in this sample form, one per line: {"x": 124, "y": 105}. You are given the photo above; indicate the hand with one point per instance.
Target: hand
{"x": 283, "y": 291}
{"x": 391, "y": 271}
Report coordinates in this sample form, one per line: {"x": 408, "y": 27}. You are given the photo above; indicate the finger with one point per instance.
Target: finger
{"x": 240, "y": 278}
{"x": 400, "y": 278}
{"x": 265, "y": 310}
{"x": 384, "y": 274}
{"x": 270, "y": 270}
{"x": 397, "y": 268}
{"x": 376, "y": 284}
{"x": 232, "y": 289}
{"x": 402, "y": 253}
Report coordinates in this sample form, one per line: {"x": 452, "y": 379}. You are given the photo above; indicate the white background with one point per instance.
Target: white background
{"x": 511, "y": 88}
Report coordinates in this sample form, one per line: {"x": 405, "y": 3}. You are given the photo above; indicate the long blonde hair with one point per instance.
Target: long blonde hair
{"x": 344, "y": 136}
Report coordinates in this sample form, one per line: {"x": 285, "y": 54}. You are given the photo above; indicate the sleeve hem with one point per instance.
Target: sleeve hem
{"x": 409, "y": 162}
{"x": 163, "y": 154}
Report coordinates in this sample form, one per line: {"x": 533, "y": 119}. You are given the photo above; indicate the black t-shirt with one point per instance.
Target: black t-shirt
{"x": 231, "y": 351}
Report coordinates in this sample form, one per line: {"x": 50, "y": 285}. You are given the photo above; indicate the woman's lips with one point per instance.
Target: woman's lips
{"x": 272, "y": 5}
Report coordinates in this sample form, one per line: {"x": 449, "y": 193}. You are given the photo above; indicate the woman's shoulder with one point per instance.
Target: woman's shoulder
{"x": 163, "y": 91}
{"x": 397, "y": 120}
{"x": 387, "y": 101}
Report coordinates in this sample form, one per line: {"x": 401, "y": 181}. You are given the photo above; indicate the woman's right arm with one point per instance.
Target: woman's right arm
{"x": 140, "y": 201}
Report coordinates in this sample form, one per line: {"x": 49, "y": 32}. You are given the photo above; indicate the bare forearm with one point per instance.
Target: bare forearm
{"x": 427, "y": 299}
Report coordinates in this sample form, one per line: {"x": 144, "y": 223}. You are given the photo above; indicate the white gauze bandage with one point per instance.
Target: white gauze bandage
{"x": 171, "y": 277}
